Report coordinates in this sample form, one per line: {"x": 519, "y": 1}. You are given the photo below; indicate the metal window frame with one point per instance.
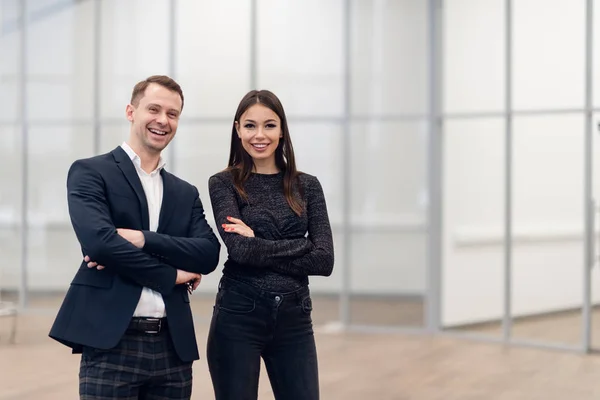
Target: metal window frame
{"x": 435, "y": 118}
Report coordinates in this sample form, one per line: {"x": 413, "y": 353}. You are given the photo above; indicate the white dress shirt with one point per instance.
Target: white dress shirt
{"x": 151, "y": 303}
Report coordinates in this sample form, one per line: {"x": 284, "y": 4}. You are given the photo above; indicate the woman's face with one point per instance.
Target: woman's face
{"x": 259, "y": 129}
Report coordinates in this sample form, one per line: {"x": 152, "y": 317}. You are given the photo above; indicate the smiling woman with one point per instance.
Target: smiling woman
{"x": 249, "y": 136}
{"x": 273, "y": 220}
{"x": 260, "y": 131}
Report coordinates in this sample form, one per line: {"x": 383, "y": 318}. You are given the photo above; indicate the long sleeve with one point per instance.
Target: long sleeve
{"x": 198, "y": 252}
{"x": 318, "y": 261}
{"x": 251, "y": 251}
{"x": 90, "y": 217}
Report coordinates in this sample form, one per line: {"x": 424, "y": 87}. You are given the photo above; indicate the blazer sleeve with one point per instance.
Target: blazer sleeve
{"x": 90, "y": 217}
{"x": 198, "y": 252}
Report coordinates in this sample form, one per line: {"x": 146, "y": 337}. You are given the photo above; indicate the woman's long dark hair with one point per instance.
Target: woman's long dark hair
{"x": 241, "y": 164}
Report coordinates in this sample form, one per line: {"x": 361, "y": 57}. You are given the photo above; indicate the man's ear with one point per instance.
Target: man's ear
{"x": 129, "y": 112}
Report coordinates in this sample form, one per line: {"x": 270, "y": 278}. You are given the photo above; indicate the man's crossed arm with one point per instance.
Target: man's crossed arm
{"x": 136, "y": 238}
{"x": 103, "y": 244}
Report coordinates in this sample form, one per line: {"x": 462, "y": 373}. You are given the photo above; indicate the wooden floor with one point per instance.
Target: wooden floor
{"x": 352, "y": 365}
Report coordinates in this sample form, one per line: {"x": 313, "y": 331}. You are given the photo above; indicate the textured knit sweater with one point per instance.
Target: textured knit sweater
{"x": 287, "y": 248}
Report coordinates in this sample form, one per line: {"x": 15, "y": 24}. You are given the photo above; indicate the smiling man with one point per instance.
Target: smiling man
{"x": 145, "y": 245}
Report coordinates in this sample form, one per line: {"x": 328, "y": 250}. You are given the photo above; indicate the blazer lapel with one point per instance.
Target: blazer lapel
{"x": 168, "y": 201}
{"x": 126, "y": 166}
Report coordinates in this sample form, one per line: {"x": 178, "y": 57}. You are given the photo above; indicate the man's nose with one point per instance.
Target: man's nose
{"x": 161, "y": 118}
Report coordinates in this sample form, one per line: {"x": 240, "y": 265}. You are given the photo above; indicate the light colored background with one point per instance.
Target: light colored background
{"x": 368, "y": 108}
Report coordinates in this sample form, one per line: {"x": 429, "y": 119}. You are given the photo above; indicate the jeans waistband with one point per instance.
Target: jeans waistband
{"x": 245, "y": 288}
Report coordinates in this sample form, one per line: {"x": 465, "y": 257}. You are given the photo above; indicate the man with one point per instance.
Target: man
{"x": 145, "y": 243}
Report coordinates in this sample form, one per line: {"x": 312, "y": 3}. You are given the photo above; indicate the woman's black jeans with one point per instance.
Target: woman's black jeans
{"x": 249, "y": 323}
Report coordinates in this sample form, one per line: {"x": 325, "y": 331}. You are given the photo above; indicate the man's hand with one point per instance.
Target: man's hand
{"x": 189, "y": 278}
{"x": 92, "y": 264}
{"x": 238, "y": 226}
{"x": 136, "y": 238}
{"x": 183, "y": 277}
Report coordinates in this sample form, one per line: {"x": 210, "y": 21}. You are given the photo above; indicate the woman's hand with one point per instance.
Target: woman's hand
{"x": 238, "y": 226}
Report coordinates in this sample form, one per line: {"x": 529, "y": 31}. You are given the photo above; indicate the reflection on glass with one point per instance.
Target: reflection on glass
{"x": 472, "y": 227}
{"x": 474, "y": 56}
{"x": 53, "y": 250}
{"x": 548, "y": 245}
{"x": 389, "y": 57}
{"x": 10, "y": 210}
{"x": 131, "y": 49}
{"x": 213, "y": 58}
{"x": 60, "y": 76}
{"x": 548, "y": 77}
{"x": 388, "y": 254}
{"x": 302, "y": 63}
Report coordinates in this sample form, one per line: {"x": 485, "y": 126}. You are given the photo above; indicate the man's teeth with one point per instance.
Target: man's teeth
{"x": 157, "y": 132}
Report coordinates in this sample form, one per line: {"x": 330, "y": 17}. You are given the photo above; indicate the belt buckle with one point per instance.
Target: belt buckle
{"x": 159, "y": 325}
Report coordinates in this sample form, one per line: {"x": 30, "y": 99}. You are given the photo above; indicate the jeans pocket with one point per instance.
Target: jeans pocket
{"x": 235, "y": 303}
{"x": 307, "y": 305}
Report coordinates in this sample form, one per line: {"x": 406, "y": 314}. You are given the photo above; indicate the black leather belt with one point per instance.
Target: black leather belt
{"x": 147, "y": 325}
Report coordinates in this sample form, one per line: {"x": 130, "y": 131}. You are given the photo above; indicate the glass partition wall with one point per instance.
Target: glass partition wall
{"x": 455, "y": 146}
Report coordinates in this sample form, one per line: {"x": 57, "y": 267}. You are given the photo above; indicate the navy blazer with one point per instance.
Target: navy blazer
{"x": 105, "y": 193}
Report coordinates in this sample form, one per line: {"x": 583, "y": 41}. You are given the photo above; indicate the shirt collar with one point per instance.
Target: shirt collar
{"x": 136, "y": 159}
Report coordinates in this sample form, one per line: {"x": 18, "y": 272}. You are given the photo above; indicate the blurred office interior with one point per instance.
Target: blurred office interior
{"x": 456, "y": 142}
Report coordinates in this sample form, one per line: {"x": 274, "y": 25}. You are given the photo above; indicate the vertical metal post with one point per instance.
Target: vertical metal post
{"x": 345, "y": 316}
{"x": 435, "y": 156}
{"x": 96, "y": 84}
{"x": 172, "y": 71}
{"x": 172, "y": 37}
{"x": 23, "y": 295}
{"x": 507, "y": 319}
{"x": 588, "y": 197}
{"x": 253, "y": 45}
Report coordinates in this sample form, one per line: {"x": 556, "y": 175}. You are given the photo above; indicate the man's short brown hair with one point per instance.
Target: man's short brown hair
{"x": 140, "y": 88}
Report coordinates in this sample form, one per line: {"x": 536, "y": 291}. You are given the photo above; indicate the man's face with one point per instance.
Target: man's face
{"x": 154, "y": 118}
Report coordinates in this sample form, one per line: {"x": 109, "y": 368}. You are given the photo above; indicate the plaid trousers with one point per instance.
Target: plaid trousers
{"x": 140, "y": 367}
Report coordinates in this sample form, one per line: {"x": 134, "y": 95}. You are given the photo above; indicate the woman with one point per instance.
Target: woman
{"x": 264, "y": 209}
